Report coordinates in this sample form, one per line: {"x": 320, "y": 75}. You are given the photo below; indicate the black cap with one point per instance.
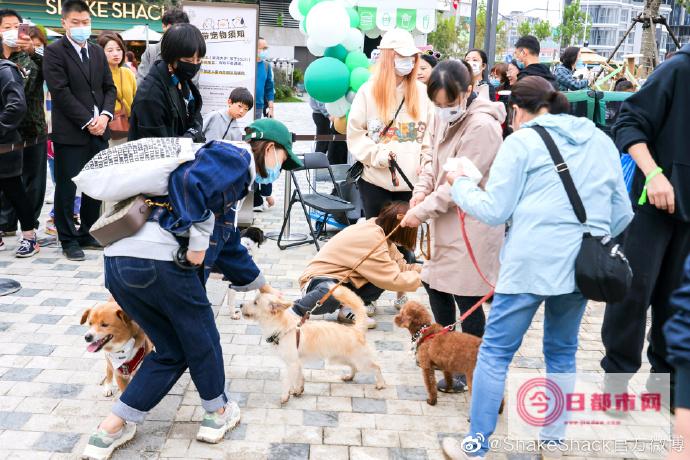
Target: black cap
{"x": 529, "y": 42}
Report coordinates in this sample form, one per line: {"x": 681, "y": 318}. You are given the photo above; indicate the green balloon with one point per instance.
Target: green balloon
{"x": 354, "y": 17}
{"x": 358, "y": 77}
{"x": 304, "y": 6}
{"x": 356, "y": 59}
{"x": 338, "y": 51}
{"x": 327, "y": 79}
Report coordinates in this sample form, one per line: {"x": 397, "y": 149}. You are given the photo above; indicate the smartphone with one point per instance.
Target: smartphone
{"x": 23, "y": 30}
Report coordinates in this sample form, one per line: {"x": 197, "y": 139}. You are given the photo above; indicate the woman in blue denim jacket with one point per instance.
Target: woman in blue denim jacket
{"x": 543, "y": 240}
{"x": 168, "y": 301}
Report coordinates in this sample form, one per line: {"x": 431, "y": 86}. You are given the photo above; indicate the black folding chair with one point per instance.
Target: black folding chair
{"x": 327, "y": 204}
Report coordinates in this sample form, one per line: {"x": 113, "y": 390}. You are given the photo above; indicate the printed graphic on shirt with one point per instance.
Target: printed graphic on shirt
{"x": 402, "y": 131}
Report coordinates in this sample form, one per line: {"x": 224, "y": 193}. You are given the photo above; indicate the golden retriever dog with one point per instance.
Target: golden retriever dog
{"x": 327, "y": 340}
{"x": 123, "y": 341}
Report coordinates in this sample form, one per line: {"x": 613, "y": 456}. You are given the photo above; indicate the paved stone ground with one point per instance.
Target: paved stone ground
{"x": 50, "y": 399}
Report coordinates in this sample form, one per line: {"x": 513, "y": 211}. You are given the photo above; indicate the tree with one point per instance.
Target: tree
{"x": 447, "y": 39}
{"x": 542, "y": 30}
{"x": 524, "y": 28}
{"x": 650, "y": 48}
{"x": 575, "y": 26}
{"x": 501, "y": 32}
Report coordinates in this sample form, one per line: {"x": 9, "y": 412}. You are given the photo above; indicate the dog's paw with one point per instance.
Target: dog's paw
{"x": 237, "y": 314}
{"x": 347, "y": 377}
{"x": 380, "y": 386}
{"x": 109, "y": 390}
{"x": 431, "y": 401}
{"x": 285, "y": 398}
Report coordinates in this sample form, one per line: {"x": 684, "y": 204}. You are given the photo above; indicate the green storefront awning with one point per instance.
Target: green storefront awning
{"x": 105, "y": 15}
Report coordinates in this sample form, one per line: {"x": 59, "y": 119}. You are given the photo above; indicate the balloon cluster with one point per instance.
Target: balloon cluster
{"x": 331, "y": 27}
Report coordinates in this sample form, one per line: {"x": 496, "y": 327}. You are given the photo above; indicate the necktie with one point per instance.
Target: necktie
{"x": 84, "y": 56}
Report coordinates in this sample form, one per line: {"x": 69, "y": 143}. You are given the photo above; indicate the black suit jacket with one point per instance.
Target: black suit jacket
{"x": 75, "y": 89}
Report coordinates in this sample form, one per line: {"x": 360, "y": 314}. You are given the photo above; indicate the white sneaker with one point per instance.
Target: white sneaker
{"x": 101, "y": 444}
{"x": 214, "y": 425}
{"x": 260, "y": 208}
{"x": 371, "y": 309}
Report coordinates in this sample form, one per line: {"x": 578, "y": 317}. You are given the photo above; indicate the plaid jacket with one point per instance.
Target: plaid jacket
{"x": 31, "y": 69}
{"x": 566, "y": 81}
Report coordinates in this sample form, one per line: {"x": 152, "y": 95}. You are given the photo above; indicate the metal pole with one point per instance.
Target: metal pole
{"x": 473, "y": 23}
{"x": 287, "y": 236}
{"x": 494, "y": 35}
{"x": 487, "y": 25}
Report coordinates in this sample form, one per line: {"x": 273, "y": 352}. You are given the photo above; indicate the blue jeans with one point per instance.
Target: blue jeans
{"x": 509, "y": 319}
{"x": 171, "y": 306}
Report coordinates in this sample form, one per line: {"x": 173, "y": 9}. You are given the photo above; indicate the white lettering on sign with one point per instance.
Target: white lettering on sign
{"x": 114, "y": 10}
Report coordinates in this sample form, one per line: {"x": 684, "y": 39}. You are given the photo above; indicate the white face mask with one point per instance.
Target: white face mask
{"x": 9, "y": 38}
{"x": 39, "y": 50}
{"x": 476, "y": 67}
{"x": 450, "y": 114}
{"x": 404, "y": 66}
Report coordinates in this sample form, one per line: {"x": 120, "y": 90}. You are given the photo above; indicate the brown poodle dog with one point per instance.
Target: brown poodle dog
{"x": 451, "y": 352}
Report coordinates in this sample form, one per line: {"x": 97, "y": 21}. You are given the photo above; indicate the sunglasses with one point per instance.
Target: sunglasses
{"x": 433, "y": 53}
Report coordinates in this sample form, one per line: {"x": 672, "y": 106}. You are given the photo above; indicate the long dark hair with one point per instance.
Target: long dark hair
{"x": 535, "y": 93}
{"x": 451, "y": 77}
{"x": 569, "y": 56}
{"x": 389, "y": 218}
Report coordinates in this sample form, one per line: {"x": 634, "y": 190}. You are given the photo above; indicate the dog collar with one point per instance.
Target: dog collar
{"x": 130, "y": 366}
{"x": 419, "y": 333}
{"x": 274, "y": 338}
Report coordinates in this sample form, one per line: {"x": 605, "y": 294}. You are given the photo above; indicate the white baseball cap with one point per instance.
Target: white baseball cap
{"x": 399, "y": 40}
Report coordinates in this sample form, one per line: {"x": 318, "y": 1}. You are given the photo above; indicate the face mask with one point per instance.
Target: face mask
{"x": 9, "y": 38}
{"x": 80, "y": 34}
{"x": 39, "y": 50}
{"x": 579, "y": 64}
{"x": 476, "y": 68}
{"x": 520, "y": 65}
{"x": 495, "y": 82}
{"x": 263, "y": 55}
{"x": 273, "y": 173}
{"x": 403, "y": 66}
{"x": 185, "y": 71}
{"x": 450, "y": 114}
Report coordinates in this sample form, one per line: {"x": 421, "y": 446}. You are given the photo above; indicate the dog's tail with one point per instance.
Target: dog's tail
{"x": 352, "y": 300}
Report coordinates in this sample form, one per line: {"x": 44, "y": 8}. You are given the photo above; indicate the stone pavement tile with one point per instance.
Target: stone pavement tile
{"x": 204, "y": 450}
{"x": 46, "y": 319}
{"x": 27, "y": 292}
{"x": 371, "y": 406}
{"x": 380, "y": 438}
{"x": 12, "y": 308}
{"x": 175, "y": 448}
{"x": 150, "y": 437}
{"x": 284, "y": 416}
{"x": 10, "y": 403}
{"x": 55, "y": 302}
{"x": 13, "y": 420}
{"x": 27, "y": 455}
{"x": 239, "y": 433}
{"x": 415, "y": 393}
{"x": 368, "y": 453}
{"x": 26, "y": 374}
{"x": 320, "y": 418}
{"x": 56, "y": 442}
{"x": 63, "y": 390}
{"x": 333, "y": 403}
{"x": 166, "y": 409}
{"x": 12, "y": 438}
{"x": 287, "y": 451}
{"x": 347, "y": 389}
{"x": 356, "y": 420}
{"x": 265, "y": 433}
{"x": 329, "y": 452}
{"x": 404, "y": 407}
{"x": 342, "y": 436}
{"x": 303, "y": 434}
{"x": 36, "y": 405}
{"x": 54, "y": 375}
{"x": 407, "y": 454}
{"x": 37, "y": 349}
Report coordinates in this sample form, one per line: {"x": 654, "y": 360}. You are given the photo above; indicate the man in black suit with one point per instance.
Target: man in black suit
{"x": 83, "y": 94}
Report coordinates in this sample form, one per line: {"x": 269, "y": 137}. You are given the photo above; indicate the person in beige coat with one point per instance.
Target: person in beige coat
{"x": 473, "y": 131}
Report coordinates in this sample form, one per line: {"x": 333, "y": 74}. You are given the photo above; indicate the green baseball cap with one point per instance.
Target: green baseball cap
{"x": 270, "y": 129}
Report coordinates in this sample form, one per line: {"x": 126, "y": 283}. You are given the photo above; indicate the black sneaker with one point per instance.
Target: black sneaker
{"x": 91, "y": 243}
{"x": 459, "y": 384}
{"x": 74, "y": 253}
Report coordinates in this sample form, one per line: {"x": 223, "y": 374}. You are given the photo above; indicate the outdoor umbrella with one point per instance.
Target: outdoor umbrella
{"x": 141, "y": 34}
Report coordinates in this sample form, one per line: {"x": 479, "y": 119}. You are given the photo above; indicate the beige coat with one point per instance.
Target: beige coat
{"x": 477, "y": 136}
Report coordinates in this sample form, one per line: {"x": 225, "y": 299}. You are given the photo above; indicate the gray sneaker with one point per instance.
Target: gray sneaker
{"x": 214, "y": 425}
{"x": 102, "y": 444}
{"x": 371, "y": 309}
{"x": 400, "y": 302}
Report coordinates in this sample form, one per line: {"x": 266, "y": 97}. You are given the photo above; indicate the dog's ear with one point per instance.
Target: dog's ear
{"x": 278, "y": 305}
{"x": 123, "y": 316}
{"x": 85, "y": 316}
{"x": 402, "y": 319}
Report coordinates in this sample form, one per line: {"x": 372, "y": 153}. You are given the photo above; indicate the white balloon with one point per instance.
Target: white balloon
{"x": 328, "y": 23}
{"x": 294, "y": 10}
{"x": 314, "y": 48}
{"x": 373, "y": 33}
{"x": 338, "y": 108}
{"x": 354, "y": 40}
{"x": 350, "y": 96}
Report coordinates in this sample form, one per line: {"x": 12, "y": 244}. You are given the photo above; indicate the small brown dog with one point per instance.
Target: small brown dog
{"x": 318, "y": 339}
{"x": 123, "y": 341}
{"x": 452, "y": 352}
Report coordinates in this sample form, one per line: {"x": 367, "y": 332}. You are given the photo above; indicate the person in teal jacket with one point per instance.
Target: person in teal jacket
{"x": 543, "y": 239}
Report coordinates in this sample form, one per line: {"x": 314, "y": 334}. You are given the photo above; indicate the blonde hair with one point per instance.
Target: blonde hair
{"x": 383, "y": 86}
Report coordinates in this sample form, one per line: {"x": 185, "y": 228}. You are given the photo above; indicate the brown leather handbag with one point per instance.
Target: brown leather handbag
{"x": 125, "y": 219}
{"x": 119, "y": 125}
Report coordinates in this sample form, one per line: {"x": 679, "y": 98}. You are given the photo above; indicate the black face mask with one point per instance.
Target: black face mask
{"x": 186, "y": 70}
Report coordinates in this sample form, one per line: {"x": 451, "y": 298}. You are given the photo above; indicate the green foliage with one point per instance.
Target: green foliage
{"x": 575, "y": 26}
{"x": 542, "y": 30}
{"x": 480, "y": 31}
{"x": 279, "y": 20}
{"x": 684, "y": 3}
{"x": 524, "y": 28}
{"x": 297, "y": 75}
{"x": 446, "y": 39}
{"x": 283, "y": 93}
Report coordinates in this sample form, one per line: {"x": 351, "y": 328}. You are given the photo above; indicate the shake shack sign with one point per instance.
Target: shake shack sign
{"x": 105, "y": 15}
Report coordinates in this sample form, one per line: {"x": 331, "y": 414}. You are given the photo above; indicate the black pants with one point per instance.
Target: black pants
{"x": 260, "y": 191}
{"x": 15, "y": 193}
{"x": 323, "y": 126}
{"x": 374, "y": 198}
{"x": 319, "y": 286}
{"x": 34, "y": 175}
{"x": 443, "y": 308}
{"x": 656, "y": 246}
{"x": 69, "y": 160}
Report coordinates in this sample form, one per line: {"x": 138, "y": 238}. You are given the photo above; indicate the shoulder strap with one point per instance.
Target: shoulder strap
{"x": 388, "y": 126}
{"x": 563, "y": 173}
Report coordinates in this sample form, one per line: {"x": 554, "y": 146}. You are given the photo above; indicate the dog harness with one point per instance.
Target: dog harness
{"x": 130, "y": 366}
